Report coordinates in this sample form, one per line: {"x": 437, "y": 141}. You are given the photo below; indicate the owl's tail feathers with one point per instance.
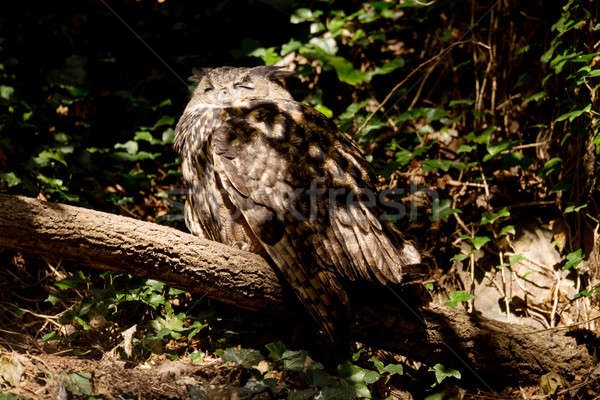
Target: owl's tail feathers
{"x": 319, "y": 290}
{"x": 328, "y": 303}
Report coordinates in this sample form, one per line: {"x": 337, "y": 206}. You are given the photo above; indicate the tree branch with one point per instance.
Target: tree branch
{"x": 493, "y": 349}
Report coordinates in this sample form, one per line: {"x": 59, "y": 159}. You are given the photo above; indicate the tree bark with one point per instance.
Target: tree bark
{"x": 487, "y": 350}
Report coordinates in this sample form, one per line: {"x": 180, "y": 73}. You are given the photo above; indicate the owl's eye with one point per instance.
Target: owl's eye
{"x": 244, "y": 85}
{"x": 208, "y": 89}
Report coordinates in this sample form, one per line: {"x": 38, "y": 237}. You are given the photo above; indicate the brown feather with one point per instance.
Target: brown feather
{"x": 249, "y": 164}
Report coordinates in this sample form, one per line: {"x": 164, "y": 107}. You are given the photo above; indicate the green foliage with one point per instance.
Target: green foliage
{"x": 351, "y": 381}
{"x": 10, "y": 396}
{"x": 573, "y": 260}
{"x": 78, "y": 383}
{"x": 442, "y": 372}
{"x": 247, "y": 358}
{"x": 484, "y": 124}
{"x": 458, "y": 297}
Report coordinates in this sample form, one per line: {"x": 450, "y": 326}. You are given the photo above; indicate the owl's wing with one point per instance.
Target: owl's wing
{"x": 291, "y": 173}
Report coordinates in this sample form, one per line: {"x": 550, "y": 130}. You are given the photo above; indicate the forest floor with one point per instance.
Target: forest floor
{"x": 92, "y": 365}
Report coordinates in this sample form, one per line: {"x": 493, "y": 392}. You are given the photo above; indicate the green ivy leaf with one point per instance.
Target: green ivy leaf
{"x": 299, "y": 361}
{"x": 316, "y": 27}
{"x": 346, "y": 71}
{"x": 195, "y": 328}
{"x": 304, "y": 15}
{"x": 442, "y": 373}
{"x": 488, "y": 218}
{"x": 335, "y": 25}
{"x": 130, "y": 146}
{"x": 535, "y": 97}
{"x": 477, "y": 241}
{"x": 573, "y": 260}
{"x": 351, "y": 372}
{"x": 197, "y": 357}
{"x": 45, "y": 156}
{"x": 388, "y": 67}
{"x": 356, "y": 356}
{"x": 319, "y": 378}
{"x": 460, "y": 257}
{"x": 434, "y": 165}
{"x": 465, "y": 148}
{"x": 574, "y": 208}
{"x": 361, "y": 391}
{"x": 587, "y": 293}
{"x": 483, "y": 137}
{"x": 324, "y": 110}
{"x": 6, "y": 92}
{"x": 10, "y": 178}
{"x": 78, "y": 383}
{"x": 393, "y": 369}
{"x": 378, "y": 364}
{"x": 269, "y": 56}
{"x": 494, "y": 149}
{"x": 168, "y": 136}
{"x": 466, "y": 102}
{"x": 244, "y": 357}
{"x": 441, "y": 210}
{"x": 67, "y": 283}
{"x": 276, "y": 350}
{"x": 551, "y": 165}
{"x": 164, "y": 120}
{"x": 571, "y": 115}
{"x": 326, "y": 45}
{"x": 146, "y": 136}
{"x": 508, "y": 230}
{"x": 51, "y": 336}
{"x": 515, "y": 259}
{"x": 458, "y": 297}
{"x": 290, "y": 46}
{"x": 371, "y": 377}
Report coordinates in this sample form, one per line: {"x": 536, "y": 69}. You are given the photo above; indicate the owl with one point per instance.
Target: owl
{"x": 276, "y": 177}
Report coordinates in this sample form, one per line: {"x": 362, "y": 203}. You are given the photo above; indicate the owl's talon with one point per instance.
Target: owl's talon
{"x": 241, "y": 245}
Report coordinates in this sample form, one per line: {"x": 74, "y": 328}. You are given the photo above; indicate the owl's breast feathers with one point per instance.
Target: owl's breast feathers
{"x": 304, "y": 190}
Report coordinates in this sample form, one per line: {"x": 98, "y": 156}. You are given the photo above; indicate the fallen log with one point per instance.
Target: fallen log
{"x": 475, "y": 345}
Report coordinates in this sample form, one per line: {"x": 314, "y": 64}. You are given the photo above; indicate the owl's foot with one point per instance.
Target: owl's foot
{"x": 241, "y": 245}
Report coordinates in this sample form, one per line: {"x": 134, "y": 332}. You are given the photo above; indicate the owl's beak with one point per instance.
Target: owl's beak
{"x": 222, "y": 94}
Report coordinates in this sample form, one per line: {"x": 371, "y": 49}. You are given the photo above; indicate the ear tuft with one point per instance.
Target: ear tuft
{"x": 198, "y": 74}
{"x": 271, "y": 72}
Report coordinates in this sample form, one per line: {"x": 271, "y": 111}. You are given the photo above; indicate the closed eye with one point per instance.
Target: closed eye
{"x": 244, "y": 85}
{"x": 208, "y": 89}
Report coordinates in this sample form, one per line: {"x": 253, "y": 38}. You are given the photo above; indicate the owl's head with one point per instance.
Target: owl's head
{"x": 226, "y": 86}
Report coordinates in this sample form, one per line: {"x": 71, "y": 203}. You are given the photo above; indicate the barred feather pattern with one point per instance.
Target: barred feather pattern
{"x": 253, "y": 168}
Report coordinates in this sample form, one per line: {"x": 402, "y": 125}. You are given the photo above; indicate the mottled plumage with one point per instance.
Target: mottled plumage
{"x": 275, "y": 175}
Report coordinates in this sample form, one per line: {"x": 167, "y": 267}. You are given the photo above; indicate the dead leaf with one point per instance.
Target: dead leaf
{"x": 262, "y": 367}
{"x": 550, "y": 382}
{"x": 11, "y": 370}
{"x": 127, "y": 339}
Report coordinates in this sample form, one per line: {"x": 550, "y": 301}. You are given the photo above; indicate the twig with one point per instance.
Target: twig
{"x": 555, "y": 300}
{"x": 452, "y": 182}
{"x": 507, "y": 101}
{"x": 485, "y": 185}
{"x": 532, "y": 203}
{"x": 527, "y": 146}
{"x": 403, "y": 81}
{"x": 423, "y": 81}
{"x": 506, "y": 302}
{"x": 547, "y": 268}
